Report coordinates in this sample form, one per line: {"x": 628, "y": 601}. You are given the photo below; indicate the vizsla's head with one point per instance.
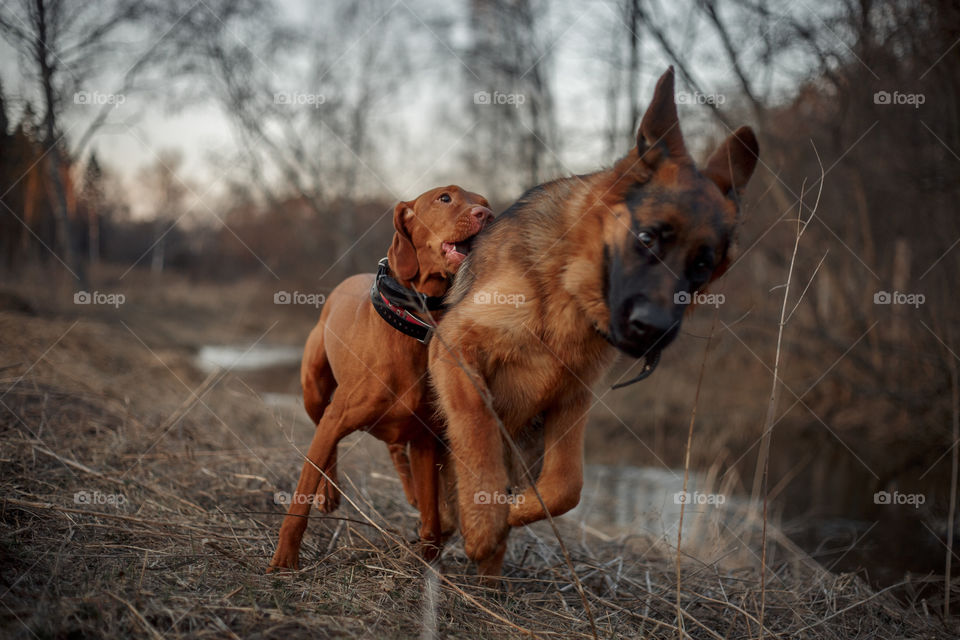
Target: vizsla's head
{"x": 433, "y": 236}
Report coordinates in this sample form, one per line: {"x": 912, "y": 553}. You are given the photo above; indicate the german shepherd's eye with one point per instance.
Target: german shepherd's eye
{"x": 444, "y": 197}
{"x": 646, "y": 239}
{"x": 702, "y": 266}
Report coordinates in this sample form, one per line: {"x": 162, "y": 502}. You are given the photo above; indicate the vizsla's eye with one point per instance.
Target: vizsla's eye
{"x": 444, "y": 197}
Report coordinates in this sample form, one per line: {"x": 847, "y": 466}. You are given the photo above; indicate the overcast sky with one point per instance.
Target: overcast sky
{"x": 419, "y": 113}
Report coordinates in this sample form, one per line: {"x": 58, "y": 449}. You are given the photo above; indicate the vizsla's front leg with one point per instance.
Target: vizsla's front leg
{"x": 561, "y": 477}
{"x": 401, "y": 462}
{"x": 477, "y": 452}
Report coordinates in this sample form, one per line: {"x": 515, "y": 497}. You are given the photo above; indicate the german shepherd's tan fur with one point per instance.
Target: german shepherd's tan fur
{"x": 593, "y": 264}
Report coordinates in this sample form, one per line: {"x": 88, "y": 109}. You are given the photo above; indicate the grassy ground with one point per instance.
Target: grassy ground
{"x": 139, "y": 499}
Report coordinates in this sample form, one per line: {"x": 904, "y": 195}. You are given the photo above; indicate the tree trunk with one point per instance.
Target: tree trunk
{"x": 65, "y": 236}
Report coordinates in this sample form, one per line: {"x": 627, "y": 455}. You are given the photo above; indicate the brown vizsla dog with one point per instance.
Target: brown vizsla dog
{"x": 359, "y": 372}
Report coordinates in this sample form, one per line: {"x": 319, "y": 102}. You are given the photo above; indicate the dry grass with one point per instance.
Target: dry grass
{"x": 184, "y": 555}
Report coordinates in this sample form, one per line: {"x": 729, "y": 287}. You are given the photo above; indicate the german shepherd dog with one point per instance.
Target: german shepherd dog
{"x": 577, "y": 269}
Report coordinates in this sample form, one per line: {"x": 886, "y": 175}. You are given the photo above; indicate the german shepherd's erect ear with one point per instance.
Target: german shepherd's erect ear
{"x": 730, "y": 167}
{"x": 732, "y": 164}
{"x": 659, "y": 135}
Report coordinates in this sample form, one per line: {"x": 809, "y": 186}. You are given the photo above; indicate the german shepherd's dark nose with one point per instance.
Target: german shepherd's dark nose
{"x": 648, "y": 326}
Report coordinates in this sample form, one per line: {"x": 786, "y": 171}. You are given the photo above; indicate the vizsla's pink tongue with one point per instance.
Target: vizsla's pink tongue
{"x": 450, "y": 251}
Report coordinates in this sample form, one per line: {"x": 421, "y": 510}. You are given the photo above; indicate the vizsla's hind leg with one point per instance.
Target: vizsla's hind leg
{"x": 328, "y": 495}
{"x": 401, "y": 461}
{"x": 317, "y": 381}
{"x": 316, "y": 378}
{"x": 334, "y": 425}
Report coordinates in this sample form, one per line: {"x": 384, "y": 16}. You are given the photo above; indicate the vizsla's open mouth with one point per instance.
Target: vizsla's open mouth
{"x": 456, "y": 251}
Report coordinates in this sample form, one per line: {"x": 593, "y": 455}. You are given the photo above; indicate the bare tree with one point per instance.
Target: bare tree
{"x": 168, "y": 192}
{"x": 622, "y": 91}
{"x": 67, "y": 46}
{"x": 508, "y": 67}
{"x": 312, "y": 129}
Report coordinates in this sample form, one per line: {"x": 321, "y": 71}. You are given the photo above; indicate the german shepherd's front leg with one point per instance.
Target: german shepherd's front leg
{"x": 561, "y": 477}
{"x": 477, "y": 449}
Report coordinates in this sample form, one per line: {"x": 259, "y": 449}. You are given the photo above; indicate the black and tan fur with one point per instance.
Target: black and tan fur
{"x": 596, "y": 260}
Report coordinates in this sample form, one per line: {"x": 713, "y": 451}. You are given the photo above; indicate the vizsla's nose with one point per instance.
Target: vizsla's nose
{"x": 482, "y": 214}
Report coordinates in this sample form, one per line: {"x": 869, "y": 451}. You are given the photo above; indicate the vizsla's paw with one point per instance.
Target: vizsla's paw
{"x": 285, "y": 559}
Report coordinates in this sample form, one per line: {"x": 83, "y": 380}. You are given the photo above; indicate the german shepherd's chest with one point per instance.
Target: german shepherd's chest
{"x": 528, "y": 376}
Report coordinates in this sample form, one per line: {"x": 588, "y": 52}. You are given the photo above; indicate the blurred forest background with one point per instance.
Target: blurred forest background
{"x": 325, "y": 114}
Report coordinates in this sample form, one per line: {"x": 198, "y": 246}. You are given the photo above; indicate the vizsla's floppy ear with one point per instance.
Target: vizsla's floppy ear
{"x": 402, "y": 256}
{"x": 659, "y": 132}
{"x": 732, "y": 164}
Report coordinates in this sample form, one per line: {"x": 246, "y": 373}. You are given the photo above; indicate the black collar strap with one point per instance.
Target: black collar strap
{"x": 394, "y": 303}
{"x": 400, "y": 295}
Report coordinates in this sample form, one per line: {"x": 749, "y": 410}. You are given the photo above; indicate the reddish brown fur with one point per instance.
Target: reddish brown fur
{"x": 543, "y": 356}
{"x": 378, "y": 373}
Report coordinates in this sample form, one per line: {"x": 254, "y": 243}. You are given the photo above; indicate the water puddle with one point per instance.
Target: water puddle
{"x": 622, "y": 499}
{"x": 245, "y": 357}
